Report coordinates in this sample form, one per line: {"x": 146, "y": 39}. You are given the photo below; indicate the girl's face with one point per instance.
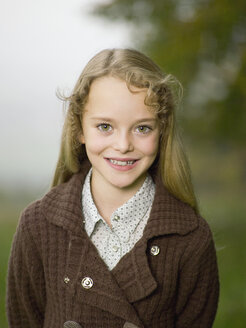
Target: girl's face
{"x": 121, "y": 135}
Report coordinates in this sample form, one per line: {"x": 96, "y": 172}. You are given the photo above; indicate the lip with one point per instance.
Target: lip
{"x": 121, "y": 159}
{"x": 120, "y": 167}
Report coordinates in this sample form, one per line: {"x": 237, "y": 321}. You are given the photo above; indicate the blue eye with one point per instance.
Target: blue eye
{"x": 143, "y": 129}
{"x": 104, "y": 127}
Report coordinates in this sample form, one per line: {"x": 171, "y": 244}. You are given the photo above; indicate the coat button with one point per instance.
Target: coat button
{"x": 66, "y": 280}
{"x": 116, "y": 218}
{"x": 155, "y": 250}
{"x": 87, "y": 282}
{"x": 115, "y": 248}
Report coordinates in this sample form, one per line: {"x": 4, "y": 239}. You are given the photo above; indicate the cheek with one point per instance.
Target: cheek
{"x": 150, "y": 146}
{"x": 95, "y": 145}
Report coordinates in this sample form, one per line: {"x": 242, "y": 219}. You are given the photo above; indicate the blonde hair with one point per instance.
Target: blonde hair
{"x": 139, "y": 71}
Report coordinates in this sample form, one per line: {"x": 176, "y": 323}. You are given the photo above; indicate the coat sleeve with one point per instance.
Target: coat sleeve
{"x": 198, "y": 289}
{"x": 25, "y": 283}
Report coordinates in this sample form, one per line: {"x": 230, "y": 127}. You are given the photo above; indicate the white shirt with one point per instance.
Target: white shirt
{"x": 128, "y": 222}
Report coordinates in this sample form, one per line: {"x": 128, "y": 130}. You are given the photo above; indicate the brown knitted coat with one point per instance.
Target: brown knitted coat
{"x": 52, "y": 254}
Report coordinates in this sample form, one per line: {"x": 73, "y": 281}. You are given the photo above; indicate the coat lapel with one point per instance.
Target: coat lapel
{"x": 168, "y": 216}
{"x": 139, "y": 282}
{"x": 105, "y": 293}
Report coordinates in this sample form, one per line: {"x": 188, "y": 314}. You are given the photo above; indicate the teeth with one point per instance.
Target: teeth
{"x": 121, "y": 163}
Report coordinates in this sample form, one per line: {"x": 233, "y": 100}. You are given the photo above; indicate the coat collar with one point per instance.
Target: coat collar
{"x": 62, "y": 206}
{"x": 169, "y": 215}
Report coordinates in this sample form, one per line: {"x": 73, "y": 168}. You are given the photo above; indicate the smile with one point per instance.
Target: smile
{"x": 121, "y": 163}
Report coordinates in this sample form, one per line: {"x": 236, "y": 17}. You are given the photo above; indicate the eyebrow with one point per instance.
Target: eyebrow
{"x": 107, "y": 119}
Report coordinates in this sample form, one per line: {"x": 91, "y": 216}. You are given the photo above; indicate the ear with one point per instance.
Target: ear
{"x": 81, "y": 138}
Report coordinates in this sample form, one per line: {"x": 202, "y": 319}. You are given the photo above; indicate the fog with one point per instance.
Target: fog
{"x": 44, "y": 46}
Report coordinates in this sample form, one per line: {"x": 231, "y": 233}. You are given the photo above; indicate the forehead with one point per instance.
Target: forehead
{"x": 110, "y": 94}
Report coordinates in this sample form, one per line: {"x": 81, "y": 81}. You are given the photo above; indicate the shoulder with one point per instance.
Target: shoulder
{"x": 202, "y": 236}
{"x": 171, "y": 216}
{"x": 30, "y": 215}
{"x": 203, "y": 231}
{"x": 35, "y": 225}
{"x": 34, "y": 217}
{"x": 62, "y": 193}
{"x": 199, "y": 245}
{"x": 61, "y": 207}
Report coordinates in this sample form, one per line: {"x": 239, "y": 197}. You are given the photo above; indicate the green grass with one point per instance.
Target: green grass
{"x": 7, "y": 229}
{"x": 229, "y": 226}
{"x": 220, "y": 178}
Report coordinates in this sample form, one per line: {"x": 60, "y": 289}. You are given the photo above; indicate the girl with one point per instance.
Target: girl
{"x": 118, "y": 240}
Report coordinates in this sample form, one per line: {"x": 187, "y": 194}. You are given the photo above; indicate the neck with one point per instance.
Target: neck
{"x": 108, "y": 198}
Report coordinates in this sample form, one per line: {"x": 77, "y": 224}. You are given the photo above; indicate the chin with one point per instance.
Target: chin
{"x": 126, "y": 184}
{"x": 122, "y": 185}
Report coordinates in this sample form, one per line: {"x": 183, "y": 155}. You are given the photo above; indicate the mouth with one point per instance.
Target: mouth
{"x": 121, "y": 162}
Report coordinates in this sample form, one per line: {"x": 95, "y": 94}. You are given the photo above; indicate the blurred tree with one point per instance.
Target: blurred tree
{"x": 201, "y": 42}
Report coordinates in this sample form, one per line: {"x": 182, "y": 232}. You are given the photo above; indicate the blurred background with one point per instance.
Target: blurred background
{"x": 45, "y": 45}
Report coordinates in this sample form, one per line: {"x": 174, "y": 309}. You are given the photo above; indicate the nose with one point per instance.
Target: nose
{"x": 123, "y": 142}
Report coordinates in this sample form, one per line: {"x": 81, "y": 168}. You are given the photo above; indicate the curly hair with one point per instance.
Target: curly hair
{"x": 162, "y": 93}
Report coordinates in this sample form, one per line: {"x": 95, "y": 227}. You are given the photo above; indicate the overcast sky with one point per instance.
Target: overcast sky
{"x": 44, "y": 46}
